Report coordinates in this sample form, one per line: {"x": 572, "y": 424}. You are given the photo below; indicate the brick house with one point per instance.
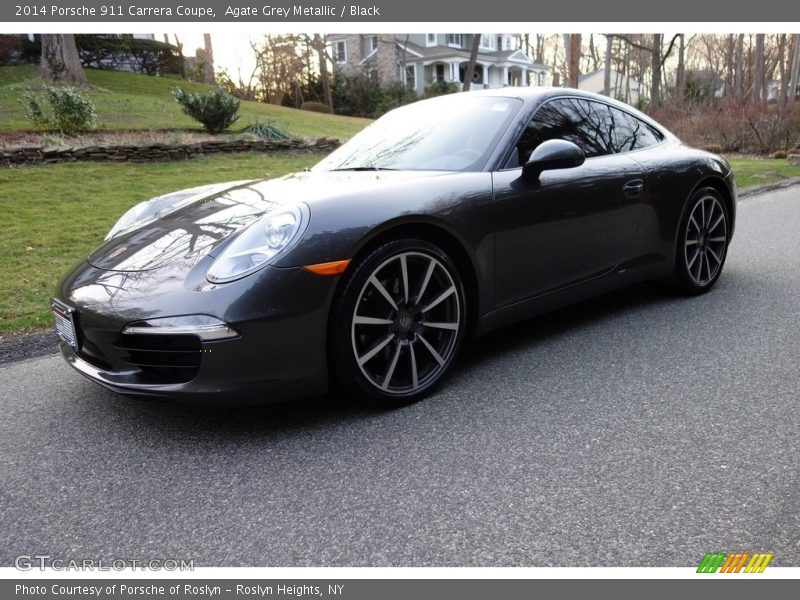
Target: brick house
{"x": 419, "y": 59}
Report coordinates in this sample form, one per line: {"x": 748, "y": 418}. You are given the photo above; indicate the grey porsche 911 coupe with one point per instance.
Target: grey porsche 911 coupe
{"x": 444, "y": 219}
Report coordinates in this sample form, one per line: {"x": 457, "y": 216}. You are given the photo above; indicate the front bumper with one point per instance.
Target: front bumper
{"x": 280, "y": 315}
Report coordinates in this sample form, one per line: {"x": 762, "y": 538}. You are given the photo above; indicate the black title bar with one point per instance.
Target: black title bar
{"x": 382, "y": 11}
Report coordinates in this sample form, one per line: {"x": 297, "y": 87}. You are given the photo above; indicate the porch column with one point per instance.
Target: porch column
{"x": 505, "y": 76}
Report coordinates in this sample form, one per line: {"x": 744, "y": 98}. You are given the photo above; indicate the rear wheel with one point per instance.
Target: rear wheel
{"x": 398, "y": 323}
{"x": 702, "y": 242}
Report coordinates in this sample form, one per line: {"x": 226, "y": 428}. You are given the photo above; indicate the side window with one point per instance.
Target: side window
{"x": 596, "y": 128}
{"x": 631, "y": 133}
{"x": 589, "y": 125}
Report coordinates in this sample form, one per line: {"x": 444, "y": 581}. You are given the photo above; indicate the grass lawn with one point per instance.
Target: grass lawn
{"x": 132, "y": 101}
{"x": 758, "y": 171}
{"x": 55, "y": 215}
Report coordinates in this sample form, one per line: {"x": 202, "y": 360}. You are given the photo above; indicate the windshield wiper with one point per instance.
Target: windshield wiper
{"x": 369, "y": 168}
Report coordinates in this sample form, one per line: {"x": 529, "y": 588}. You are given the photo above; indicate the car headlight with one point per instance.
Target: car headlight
{"x": 261, "y": 242}
{"x": 156, "y": 208}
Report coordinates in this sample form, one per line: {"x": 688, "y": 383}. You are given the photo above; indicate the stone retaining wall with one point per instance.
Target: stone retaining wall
{"x": 154, "y": 152}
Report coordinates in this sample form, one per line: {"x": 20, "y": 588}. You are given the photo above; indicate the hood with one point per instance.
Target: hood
{"x": 196, "y": 228}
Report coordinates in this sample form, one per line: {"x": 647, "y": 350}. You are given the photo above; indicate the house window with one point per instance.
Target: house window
{"x": 486, "y": 41}
{"x": 411, "y": 76}
{"x": 500, "y": 43}
{"x": 454, "y": 39}
{"x": 372, "y": 44}
{"x": 438, "y": 72}
{"x": 431, "y": 39}
{"x": 339, "y": 52}
{"x": 541, "y": 77}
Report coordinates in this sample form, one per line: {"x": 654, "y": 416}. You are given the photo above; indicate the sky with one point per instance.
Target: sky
{"x": 232, "y": 51}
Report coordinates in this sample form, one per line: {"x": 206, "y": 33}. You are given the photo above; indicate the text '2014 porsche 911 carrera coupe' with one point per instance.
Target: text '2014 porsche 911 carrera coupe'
{"x": 444, "y": 219}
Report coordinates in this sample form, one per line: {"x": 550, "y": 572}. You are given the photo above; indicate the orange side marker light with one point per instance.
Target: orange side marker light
{"x": 328, "y": 268}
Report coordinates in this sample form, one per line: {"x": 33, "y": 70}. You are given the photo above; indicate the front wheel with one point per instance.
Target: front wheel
{"x": 702, "y": 243}
{"x": 398, "y": 323}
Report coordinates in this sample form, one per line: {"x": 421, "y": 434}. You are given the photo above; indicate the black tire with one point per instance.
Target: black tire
{"x": 395, "y": 332}
{"x": 702, "y": 242}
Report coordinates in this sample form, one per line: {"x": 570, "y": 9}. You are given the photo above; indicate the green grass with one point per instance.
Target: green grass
{"x": 140, "y": 102}
{"x": 55, "y": 215}
{"x": 758, "y": 171}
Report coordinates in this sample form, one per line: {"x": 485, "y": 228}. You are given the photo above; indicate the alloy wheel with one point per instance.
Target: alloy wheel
{"x": 705, "y": 241}
{"x": 406, "y": 323}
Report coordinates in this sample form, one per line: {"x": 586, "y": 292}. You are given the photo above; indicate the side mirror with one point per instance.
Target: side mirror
{"x": 552, "y": 154}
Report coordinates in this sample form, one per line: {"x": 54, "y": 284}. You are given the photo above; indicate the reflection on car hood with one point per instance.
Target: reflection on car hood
{"x": 193, "y": 231}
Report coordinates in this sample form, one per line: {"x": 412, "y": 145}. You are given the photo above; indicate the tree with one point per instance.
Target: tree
{"x": 607, "y": 65}
{"x": 318, "y": 44}
{"x": 179, "y": 46}
{"x": 208, "y": 60}
{"x": 473, "y": 59}
{"x": 60, "y": 60}
{"x": 738, "y": 82}
{"x": 680, "y": 73}
{"x": 795, "y": 71}
{"x": 574, "y": 59}
{"x": 280, "y": 65}
{"x": 655, "y": 66}
{"x": 758, "y": 70}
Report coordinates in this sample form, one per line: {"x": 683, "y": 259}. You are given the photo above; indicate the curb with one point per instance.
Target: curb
{"x": 17, "y": 347}
{"x": 768, "y": 187}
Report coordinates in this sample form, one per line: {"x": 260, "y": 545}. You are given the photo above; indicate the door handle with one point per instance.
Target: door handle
{"x": 633, "y": 188}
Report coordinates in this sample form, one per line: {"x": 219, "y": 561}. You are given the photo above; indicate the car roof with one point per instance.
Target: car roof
{"x": 539, "y": 94}
{"x": 542, "y": 92}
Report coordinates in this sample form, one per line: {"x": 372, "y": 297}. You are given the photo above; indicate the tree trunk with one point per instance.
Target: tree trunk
{"x": 319, "y": 46}
{"x": 738, "y": 81}
{"x": 626, "y": 73}
{"x": 574, "y": 59}
{"x": 540, "y": 42}
{"x": 680, "y": 75}
{"x": 607, "y": 67}
{"x": 655, "y": 67}
{"x": 758, "y": 70}
{"x": 473, "y": 59}
{"x": 208, "y": 64}
{"x": 179, "y": 46}
{"x": 795, "y": 72}
{"x": 60, "y": 61}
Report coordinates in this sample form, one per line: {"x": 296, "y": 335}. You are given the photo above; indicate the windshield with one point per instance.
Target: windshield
{"x": 450, "y": 133}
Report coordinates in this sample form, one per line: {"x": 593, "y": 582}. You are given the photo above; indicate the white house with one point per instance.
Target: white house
{"x": 419, "y": 59}
{"x": 623, "y": 88}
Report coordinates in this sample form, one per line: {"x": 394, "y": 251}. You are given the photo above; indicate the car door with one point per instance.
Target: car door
{"x": 571, "y": 224}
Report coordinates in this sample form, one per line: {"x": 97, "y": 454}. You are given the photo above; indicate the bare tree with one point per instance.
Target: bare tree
{"x": 60, "y": 61}
{"x": 795, "y": 71}
{"x": 473, "y": 59}
{"x": 208, "y": 59}
{"x": 318, "y": 44}
{"x": 758, "y": 70}
{"x": 574, "y": 59}
{"x": 655, "y": 66}
{"x": 607, "y": 65}
{"x": 738, "y": 82}
{"x": 179, "y": 46}
{"x": 280, "y": 65}
{"x": 680, "y": 73}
